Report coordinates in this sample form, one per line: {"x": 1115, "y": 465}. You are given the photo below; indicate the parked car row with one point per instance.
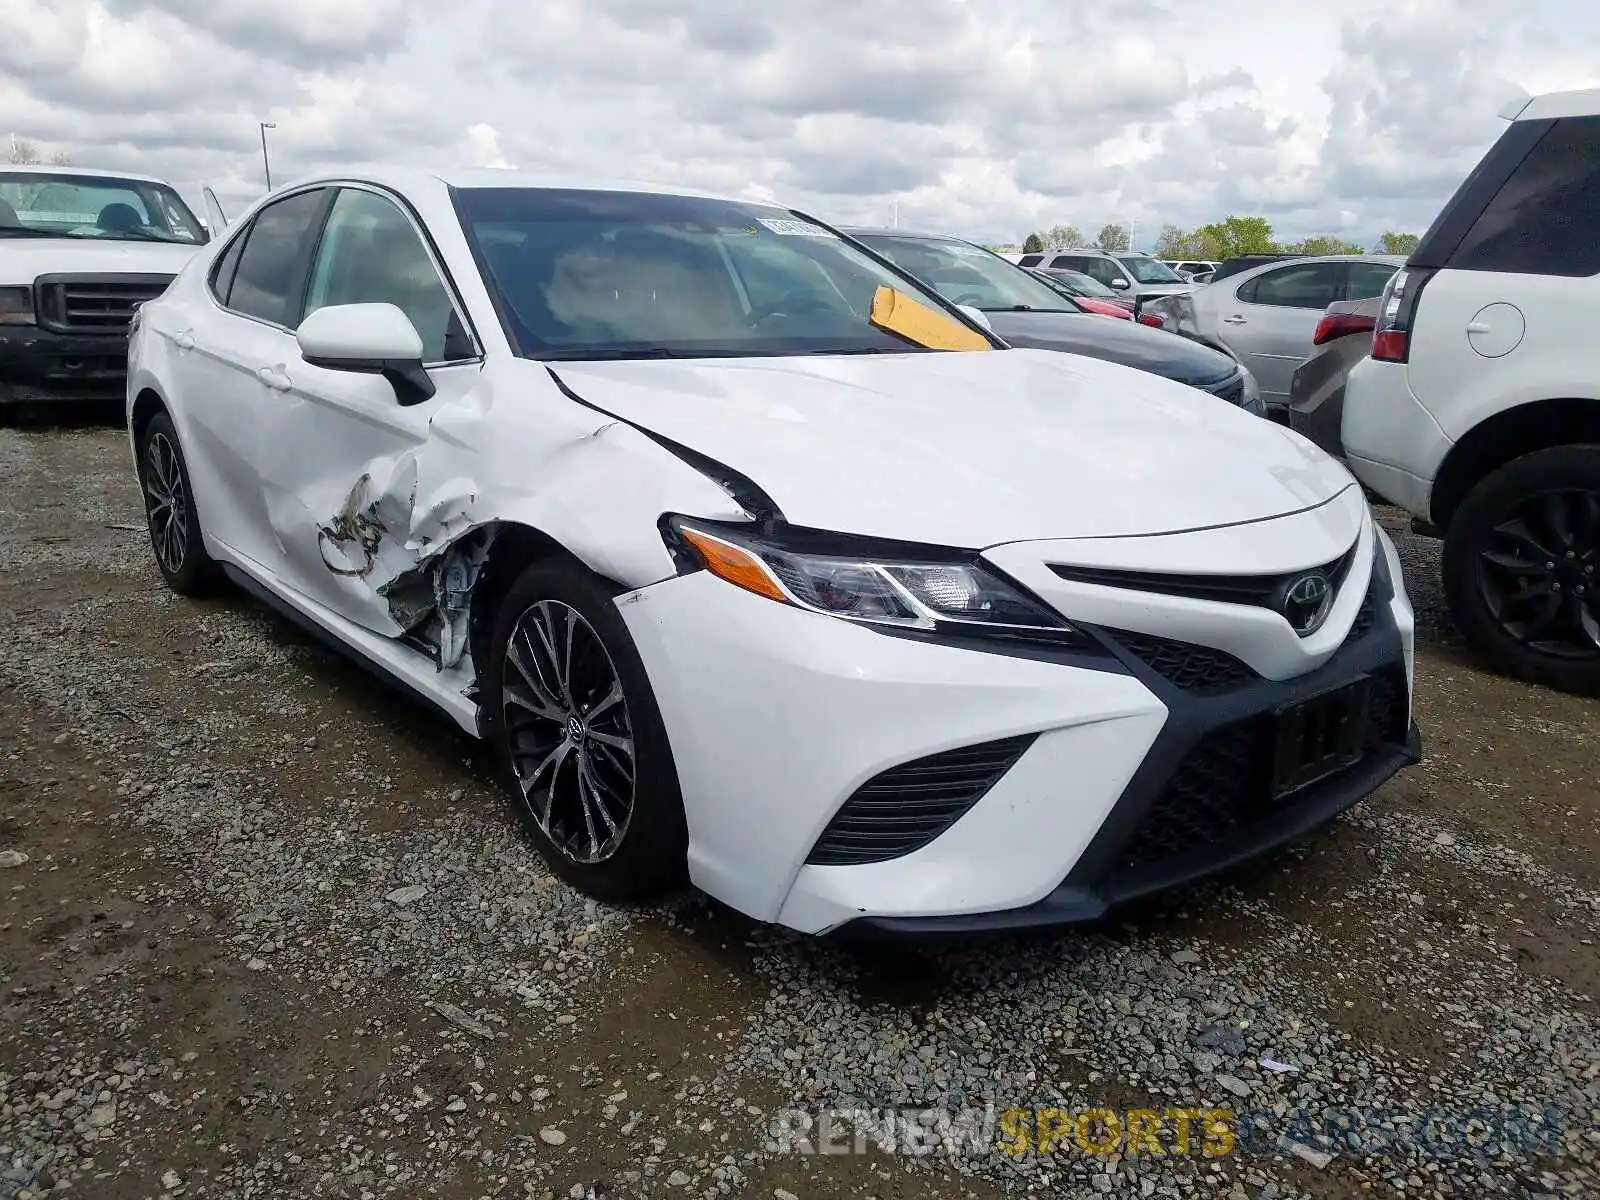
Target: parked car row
{"x": 1267, "y": 316}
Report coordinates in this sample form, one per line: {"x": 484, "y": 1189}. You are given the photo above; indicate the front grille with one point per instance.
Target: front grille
{"x": 1199, "y": 669}
{"x": 102, "y": 304}
{"x": 1365, "y": 617}
{"x": 906, "y": 807}
{"x": 1222, "y": 788}
{"x": 1260, "y": 590}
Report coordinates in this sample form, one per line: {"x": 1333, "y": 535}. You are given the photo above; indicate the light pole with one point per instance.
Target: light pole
{"x": 266, "y": 165}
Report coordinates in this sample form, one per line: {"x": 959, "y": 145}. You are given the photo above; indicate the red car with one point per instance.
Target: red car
{"x": 1091, "y": 295}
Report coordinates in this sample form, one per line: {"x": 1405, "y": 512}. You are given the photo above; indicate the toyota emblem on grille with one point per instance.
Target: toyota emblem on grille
{"x": 1305, "y": 602}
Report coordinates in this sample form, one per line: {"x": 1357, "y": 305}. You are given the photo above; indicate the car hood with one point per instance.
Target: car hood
{"x": 970, "y": 449}
{"x": 1123, "y": 342}
{"x": 23, "y": 259}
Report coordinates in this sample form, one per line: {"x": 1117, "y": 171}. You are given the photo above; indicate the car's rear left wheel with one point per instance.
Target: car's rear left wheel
{"x": 582, "y": 744}
{"x": 1522, "y": 567}
{"x": 170, "y": 513}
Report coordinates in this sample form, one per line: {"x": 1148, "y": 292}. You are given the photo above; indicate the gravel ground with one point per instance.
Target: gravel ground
{"x": 268, "y": 930}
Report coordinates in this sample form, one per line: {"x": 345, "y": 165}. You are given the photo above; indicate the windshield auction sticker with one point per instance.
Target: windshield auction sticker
{"x": 791, "y": 228}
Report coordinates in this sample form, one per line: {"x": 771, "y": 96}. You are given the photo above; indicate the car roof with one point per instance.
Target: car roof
{"x": 413, "y": 179}
{"x": 857, "y": 231}
{"x": 1582, "y": 102}
{"x": 95, "y": 172}
{"x": 1397, "y": 260}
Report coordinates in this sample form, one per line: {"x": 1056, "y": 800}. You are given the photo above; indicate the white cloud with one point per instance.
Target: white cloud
{"x": 483, "y": 147}
{"x": 986, "y": 119}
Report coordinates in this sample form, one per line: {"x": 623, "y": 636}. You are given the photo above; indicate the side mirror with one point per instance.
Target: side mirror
{"x": 375, "y": 339}
{"x": 978, "y": 316}
{"x": 1119, "y": 282}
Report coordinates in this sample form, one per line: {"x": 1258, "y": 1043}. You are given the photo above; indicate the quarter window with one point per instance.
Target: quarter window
{"x": 372, "y": 254}
{"x": 222, "y": 273}
{"x": 1544, "y": 220}
{"x": 1367, "y": 280}
{"x": 267, "y": 282}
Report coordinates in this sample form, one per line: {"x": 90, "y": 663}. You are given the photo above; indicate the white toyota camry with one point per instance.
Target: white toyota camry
{"x": 763, "y": 567}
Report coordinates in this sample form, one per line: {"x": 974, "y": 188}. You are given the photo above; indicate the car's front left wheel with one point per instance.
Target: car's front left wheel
{"x": 170, "y": 513}
{"x": 575, "y": 723}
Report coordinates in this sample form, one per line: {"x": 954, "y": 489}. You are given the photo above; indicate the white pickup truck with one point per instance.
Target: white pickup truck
{"x": 79, "y": 251}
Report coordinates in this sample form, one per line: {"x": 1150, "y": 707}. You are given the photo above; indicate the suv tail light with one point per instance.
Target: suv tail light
{"x": 1397, "y": 309}
{"x": 1338, "y": 325}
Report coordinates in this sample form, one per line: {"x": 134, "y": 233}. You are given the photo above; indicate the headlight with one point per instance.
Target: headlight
{"x": 16, "y": 306}
{"x": 1250, "y": 399}
{"x": 952, "y": 594}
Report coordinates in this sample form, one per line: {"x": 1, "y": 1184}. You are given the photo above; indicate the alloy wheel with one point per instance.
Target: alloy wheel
{"x": 166, "y": 503}
{"x": 567, "y": 728}
{"x": 1540, "y": 573}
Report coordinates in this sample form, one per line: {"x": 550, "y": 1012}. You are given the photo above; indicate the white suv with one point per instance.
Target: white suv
{"x": 1479, "y": 408}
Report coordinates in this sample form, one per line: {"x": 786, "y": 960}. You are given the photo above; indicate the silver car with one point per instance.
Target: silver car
{"x": 1266, "y": 316}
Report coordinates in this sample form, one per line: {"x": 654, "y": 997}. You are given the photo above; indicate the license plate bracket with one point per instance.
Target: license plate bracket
{"x": 1319, "y": 736}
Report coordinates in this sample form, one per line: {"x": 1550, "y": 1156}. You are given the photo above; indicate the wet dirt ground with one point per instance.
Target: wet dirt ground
{"x": 267, "y": 929}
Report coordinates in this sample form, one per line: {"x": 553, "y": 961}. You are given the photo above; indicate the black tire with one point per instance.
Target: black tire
{"x": 1519, "y": 495}
{"x": 648, "y": 857}
{"x": 170, "y": 514}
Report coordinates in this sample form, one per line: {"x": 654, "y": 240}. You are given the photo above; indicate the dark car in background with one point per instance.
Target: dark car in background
{"x": 1244, "y": 262}
{"x": 1316, "y": 393}
{"x": 1026, "y": 312}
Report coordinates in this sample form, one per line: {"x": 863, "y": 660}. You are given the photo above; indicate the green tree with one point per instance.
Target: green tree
{"x": 1173, "y": 243}
{"x": 1063, "y": 237}
{"x": 1113, "y": 239}
{"x": 1033, "y": 244}
{"x": 1323, "y": 243}
{"x": 1397, "y": 243}
{"x": 1235, "y": 236}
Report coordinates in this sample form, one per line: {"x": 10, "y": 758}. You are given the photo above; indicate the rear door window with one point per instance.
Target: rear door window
{"x": 1545, "y": 220}
{"x": 269, "y": 283}
{"x": 1304, "y": 285}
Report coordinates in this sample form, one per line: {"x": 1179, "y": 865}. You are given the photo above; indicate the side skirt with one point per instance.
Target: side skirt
{"x": 353, "y": 654}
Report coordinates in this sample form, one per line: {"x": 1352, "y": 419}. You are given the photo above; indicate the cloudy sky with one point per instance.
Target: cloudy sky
{"x": 980, "y": 117}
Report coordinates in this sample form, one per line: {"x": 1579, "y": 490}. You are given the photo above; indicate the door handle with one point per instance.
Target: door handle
{"x": 274, "y": 378}
{"x": 1236, "y": 319}
{"x": 184, "y": 339}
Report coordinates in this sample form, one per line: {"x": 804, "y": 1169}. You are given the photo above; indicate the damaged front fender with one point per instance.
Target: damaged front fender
{"x": 403, "y": 546}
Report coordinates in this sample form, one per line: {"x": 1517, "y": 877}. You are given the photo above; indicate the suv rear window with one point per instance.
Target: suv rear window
{"x": 1542, "y": 220}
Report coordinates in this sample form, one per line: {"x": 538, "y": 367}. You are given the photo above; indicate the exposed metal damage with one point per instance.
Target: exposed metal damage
{"x": 403, "y": 547}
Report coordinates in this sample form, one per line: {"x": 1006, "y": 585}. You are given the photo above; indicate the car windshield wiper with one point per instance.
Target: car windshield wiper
{"x": 28, "y": 231}
{"x": 592, "y": 354}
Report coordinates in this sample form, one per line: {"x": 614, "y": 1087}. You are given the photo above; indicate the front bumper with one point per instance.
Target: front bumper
{"x": 779, "y": 719}
{"x": 41, "y": 366}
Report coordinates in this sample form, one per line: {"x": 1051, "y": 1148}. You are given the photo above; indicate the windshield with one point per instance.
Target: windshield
{"x": 51, "y": 204}
{"x": 581, "y": 274}
{"x": 1079, "y": 284}
{"x": 967, "y": 274}
{"x": 1148, "y": 270}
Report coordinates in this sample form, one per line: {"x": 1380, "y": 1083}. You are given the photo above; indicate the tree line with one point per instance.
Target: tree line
{"x": 1215, "y": 242}
{"x": 24, "y": 153}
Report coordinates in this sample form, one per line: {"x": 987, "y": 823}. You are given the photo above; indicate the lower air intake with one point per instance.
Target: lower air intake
{"x": 906, "y": 807}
